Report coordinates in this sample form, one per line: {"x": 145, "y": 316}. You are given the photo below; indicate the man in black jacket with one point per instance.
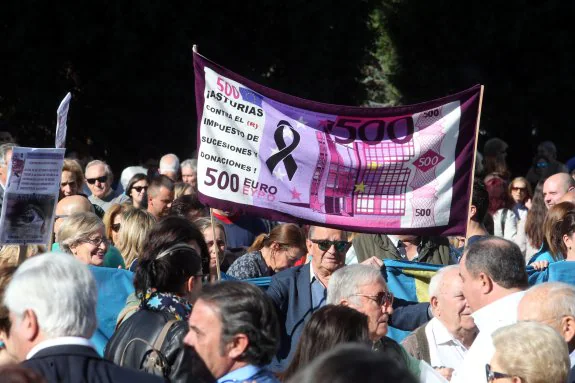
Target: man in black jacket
{"x": 52, "y": 305}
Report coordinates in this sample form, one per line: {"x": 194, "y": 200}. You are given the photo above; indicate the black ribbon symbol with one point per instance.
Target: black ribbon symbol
{"x": 285, "y": 151}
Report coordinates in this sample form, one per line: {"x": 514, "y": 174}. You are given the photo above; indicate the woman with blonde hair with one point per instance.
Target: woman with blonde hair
{"x": 528, "y": 352}
{"x": 72, "y": 178}
{"x": 181, "y": 189}
{"x": 113, "y": 221}
{"x": 270, "y": 253}
{"x": 10, "y": 255}
{"x": 83, "y": 235}
{"x": 216, "y": 245}
{"x": 136, "y": 227}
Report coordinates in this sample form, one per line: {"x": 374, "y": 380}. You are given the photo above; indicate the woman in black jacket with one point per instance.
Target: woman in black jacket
{"x": 167, "y": 279}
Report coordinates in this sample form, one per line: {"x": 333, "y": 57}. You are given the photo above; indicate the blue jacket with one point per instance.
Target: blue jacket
{"x": 290, "y": 290}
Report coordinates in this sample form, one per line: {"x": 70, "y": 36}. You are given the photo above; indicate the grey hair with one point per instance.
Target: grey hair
{"x": 312, "y": 230}
{"x": 107, "y": 168}
{"x": 4, "y": 149}
{"x": 437, "y": 280}
{"x": 170, "y": 162}
{"x": 345, "y": 282}
{"x": 560, "y": 298}
{"x": 78, "y": 227}
{"x": 67, "y": 307}
{"x": 190, "y": 163}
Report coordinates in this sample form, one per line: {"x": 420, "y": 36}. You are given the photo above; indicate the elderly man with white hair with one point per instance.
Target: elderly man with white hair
{"x": 52, "y": 309}
{"x": 363, "y": 288}
{"x": 170, "y": 166}
{"x": 99, "y": 178}
{"x": 444, "y": 341}
{"x": 552, "y": 303}
{"x": 190, "y": 172}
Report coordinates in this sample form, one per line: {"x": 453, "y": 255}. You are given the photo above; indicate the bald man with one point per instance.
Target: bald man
{"x": 81, "y": 204}
{"x": 556, "y": 187}
{"x": 68, "y": 206}
{"x": 552, "y": 303}
{"x": 169, "y": 166}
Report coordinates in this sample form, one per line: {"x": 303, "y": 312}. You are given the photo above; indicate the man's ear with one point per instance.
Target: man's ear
{"x": 344, "y": 302}
{"x": 486, "y": 283}
{"x": 309, "y": 245}
{"x": 29, "y": 327}
{"x": 434, "y": 302}
{"x": 568, "y": 328}
{"x": 238, "y": 345}
{"x": 190, "y": 284}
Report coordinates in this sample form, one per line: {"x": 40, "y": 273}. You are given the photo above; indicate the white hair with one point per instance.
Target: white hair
{"x": 345, "y": 282}
{"x": 169, "y": 163}
{"x": 437, "y": 280}
{"x": 190, "y": 163}
{"x": 4, "y": 149}
{"x": 59, "y": 290}
{"x": 107, "y": 168}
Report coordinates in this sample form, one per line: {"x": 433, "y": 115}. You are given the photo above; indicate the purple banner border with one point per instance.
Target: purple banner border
{"x": 465, "y": 148}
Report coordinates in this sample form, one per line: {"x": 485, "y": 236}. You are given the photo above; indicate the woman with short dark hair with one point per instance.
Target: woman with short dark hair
{"x": 167, "y": 280}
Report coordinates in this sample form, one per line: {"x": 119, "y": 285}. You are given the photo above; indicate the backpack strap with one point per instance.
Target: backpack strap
{"x": 124, "y": 313}
{"x": 157, "y": 356}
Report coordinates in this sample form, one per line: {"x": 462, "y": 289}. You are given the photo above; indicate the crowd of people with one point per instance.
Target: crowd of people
{"x": 198, "y": 314}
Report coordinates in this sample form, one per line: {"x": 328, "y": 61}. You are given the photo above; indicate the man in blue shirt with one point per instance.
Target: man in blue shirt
{"x": 234, "y": 329}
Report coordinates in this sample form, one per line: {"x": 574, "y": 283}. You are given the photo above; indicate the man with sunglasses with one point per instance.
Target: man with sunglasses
{"x": 298, "y": 291}
{"x": 99, "y": 179}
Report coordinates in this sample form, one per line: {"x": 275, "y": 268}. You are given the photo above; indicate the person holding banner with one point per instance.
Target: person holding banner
{"x": 298, "y": 291}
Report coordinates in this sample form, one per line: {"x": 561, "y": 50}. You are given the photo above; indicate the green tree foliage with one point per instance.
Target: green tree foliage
{"x": 521, "y": 51}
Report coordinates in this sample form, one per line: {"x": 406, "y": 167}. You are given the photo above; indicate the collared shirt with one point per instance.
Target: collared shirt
{"x": 62, "y": 341}
{"x": 500, "y": 313}
{"x": 318, "y": 290}
{"x": 400, "y": 246}
{"x": 444, "y": 349}
{"x": 250, "y": 374}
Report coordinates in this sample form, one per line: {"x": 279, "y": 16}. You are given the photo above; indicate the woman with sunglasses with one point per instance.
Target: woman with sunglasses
{"x": 83, "y": 235}
{"x": 137, "y": 190}
{"x": 528, "y": 352}
{"x": 270, "y": 253}
{"x": 113, "y": 221}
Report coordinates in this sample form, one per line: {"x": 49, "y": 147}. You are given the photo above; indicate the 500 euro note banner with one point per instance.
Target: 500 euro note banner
{"x": 395, "y": 170}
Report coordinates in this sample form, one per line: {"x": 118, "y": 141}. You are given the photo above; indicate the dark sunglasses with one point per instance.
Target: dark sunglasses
{"x": 116, "y": 227}
{"x": 514, "y": 188}
{"x": 101, "y": 180}
{"x": 325, "y": 245}
{"x": 384, "y": 298}
{"x": 139, "y": 188}
{"x": 492, "y": 375}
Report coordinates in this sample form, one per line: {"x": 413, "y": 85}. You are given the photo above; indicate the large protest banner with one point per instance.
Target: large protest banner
{"x": 31, "y": 195}
{"x": 403, "y": 170}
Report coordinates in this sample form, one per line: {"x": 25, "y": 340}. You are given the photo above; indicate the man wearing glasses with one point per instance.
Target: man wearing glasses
{"x": 299, "y": 291}
{"x": 99, "y": 179}
{"x": 363, "y": 288}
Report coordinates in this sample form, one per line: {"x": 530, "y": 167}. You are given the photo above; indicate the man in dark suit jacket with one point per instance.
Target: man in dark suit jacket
{"x": 299, "y": 291}
{"x": 52, "y": 304}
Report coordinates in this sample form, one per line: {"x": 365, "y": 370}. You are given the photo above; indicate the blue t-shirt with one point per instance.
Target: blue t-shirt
{"x": 544, "y": 254}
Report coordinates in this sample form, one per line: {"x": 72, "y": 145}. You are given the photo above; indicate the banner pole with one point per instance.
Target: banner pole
{"x": 22, "y": 252}
{"x": 474, "y": 159}
{"x": 218, "y": 272}
{"x": 195, "y": 48}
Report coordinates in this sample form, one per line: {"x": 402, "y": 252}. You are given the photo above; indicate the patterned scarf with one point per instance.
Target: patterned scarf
{"x": 172, "y": 303}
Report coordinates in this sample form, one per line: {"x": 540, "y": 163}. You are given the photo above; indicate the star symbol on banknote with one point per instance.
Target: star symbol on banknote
{"x": 279, "y": 174}
{"x": 360, "y": 188}
{"x": 301, "y": 123}
{"x": 295, "y": 194}
{"x": 287, "y": 133}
